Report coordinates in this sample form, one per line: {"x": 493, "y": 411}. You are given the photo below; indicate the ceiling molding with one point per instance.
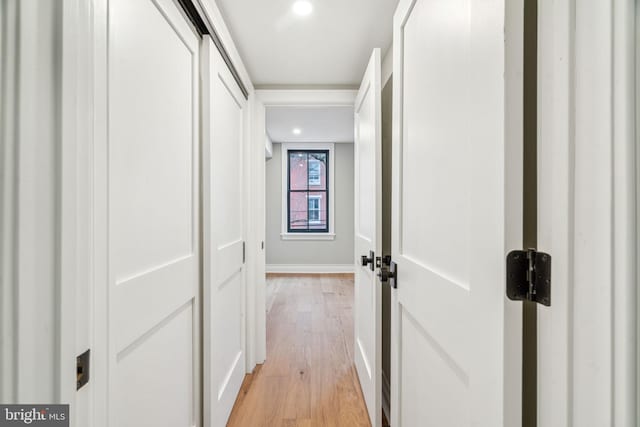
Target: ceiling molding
{"x": 307, "y": 98}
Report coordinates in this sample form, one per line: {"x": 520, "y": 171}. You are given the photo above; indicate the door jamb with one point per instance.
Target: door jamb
{"x": 592, "y": 75}
{"x": 280, "y": 98}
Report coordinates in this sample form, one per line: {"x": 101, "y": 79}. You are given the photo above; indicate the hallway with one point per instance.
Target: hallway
{"x": 309, "y": 378}
{"x": 320, "y": 212}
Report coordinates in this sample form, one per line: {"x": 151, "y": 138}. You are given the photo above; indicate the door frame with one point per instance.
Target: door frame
{"x": 588, "y": 152}
{"x": 42, "y": 195}
{"x": 76, "y": 208}
{"x": 281, "y": 98}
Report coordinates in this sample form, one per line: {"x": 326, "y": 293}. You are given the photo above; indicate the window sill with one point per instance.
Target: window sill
{"x": 307, "y": 236}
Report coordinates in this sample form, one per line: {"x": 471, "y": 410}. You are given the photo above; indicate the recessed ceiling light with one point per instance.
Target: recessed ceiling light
{"x": 297, "y": 131}
{"x": 302, "y": 7}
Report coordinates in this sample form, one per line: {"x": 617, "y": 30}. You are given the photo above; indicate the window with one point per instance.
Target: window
{"x": 307, "y": 191}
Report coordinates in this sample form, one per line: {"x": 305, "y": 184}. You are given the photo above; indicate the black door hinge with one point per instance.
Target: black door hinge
{"x": 529, "y": 276}
{"x": 244, "y": 252}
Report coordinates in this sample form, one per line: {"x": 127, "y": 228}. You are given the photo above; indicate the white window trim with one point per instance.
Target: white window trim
{"x": 284, "y": 234}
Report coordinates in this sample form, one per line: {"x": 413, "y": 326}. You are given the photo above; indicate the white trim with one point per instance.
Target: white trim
{"x": 76, "y": 286}
{"x": 587, "y": 338}
{"x": 307, "y": 236}
{"x": 312, "y": 97}
{"x": 9, "y": 146}
{"x": 99, "y": 220}
{"x": 285, "y": 235}
{"x": 257, "y": 286}
{"x": 625, "y": 356}
{"x": 637, "y": 215}
{"x": 309, "y": 268}
{"x": 43, "y": 117}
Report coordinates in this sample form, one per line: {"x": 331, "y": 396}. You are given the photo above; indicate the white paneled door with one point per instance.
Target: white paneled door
{"x": 450, "y": 215}
{"x": 368, "y": 232}
{"x": 224, "y": 108}
{"x": 152, "y": 228}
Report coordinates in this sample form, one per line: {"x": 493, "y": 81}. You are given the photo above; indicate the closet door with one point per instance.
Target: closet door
{"x": 152, "y": 214}
{"x": 224, "y": 109}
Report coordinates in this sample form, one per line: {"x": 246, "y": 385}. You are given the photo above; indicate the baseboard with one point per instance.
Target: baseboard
{"x": 309, "y": 268}
{"x": 386, "y": 396}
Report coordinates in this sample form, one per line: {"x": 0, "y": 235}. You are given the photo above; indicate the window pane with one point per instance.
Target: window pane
{"x": 298, "y": 211}
{"x": 297, "y": 170}
{"x": 317, "y": 210}
{"x": 318, "y": 171}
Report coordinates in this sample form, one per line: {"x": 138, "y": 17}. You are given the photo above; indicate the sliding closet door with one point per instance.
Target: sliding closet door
{"x": 224, "y": 109}
{"x": 150, "y": 176}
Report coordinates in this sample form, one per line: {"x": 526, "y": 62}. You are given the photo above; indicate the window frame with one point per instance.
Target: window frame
{"x": 307, "y": 153}
{"x": 286, "y": 234}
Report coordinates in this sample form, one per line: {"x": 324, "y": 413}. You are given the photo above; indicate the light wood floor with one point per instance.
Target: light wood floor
{"x": 309, "y": 378}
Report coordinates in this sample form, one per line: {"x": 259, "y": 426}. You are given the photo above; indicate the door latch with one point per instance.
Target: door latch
{"x": 389, "y": 275}
{"x": 82, "y": 369}
{"x": 364, "y": 260}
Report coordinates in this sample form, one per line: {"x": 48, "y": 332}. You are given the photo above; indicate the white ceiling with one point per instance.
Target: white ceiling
{"x": 317, "y": 124}
{"x": 331, "y": 46}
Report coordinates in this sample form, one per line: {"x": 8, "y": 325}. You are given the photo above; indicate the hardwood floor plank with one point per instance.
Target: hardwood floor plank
{"x": 309, "y": 378}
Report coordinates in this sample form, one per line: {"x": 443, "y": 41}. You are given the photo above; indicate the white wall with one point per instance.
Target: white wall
{"x": 337, "y": 252}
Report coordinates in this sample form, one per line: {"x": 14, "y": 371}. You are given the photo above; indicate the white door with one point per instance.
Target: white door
{"x": 223, "y": 242}
{"x": 151, "y": 179}
{"x": 368, "y": 232}
{"x": 451, "y": 169}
